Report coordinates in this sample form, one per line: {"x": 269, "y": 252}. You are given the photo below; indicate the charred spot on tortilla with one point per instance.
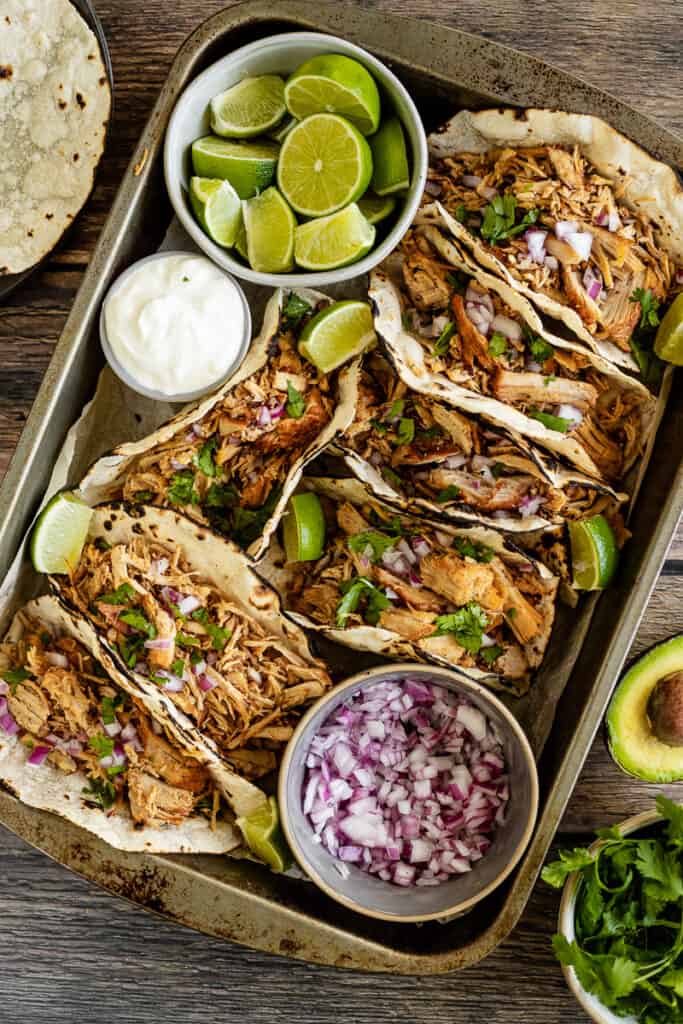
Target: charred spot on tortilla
{"x": 6, "y": 71}
{"x": 108, "y": 525}
{"x": 80, "y": 100}
{"x": 62, "y": 104}
{"x": 102, "y": 80}
{"x": 76, "y": 157}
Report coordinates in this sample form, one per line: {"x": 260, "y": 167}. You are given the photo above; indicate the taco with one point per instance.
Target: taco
{"x": 421, "y": 455}
{"x": 72, "y": 741}
{"x": 405, "y": 588}
{"x": 464, "y": 335}
{"x": 231, "y": 460}
{"x": 570, "y": 212}
{"x": 180, "y": 612}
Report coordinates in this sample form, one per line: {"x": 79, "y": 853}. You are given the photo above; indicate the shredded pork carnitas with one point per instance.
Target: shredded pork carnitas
{"x": 551, "y": 186}
{"x": 427, "y": 450}
{"x": 453, "y": 597}
{"x": 72, "y": 716}
{"x": 243, "y": 688}
{"x": 229, "y": 468}
{"x": 472, "y": 337}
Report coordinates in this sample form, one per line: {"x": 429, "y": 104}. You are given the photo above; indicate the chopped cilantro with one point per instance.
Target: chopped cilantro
{"x": 204, "y": 460}
{"x": 116, "y": 769}
{"x": 130, "y": 648}
{"x": 196, "y": 657}
{"x": 143, "y": 495}
{"x": 443, "y": 342}
{"x": 178, "y": 667}
{"x": 467, "y": 625}
{"x": 461, "y": 213}
{"x": 406, "y": 431}
{"x": 138, "y": 622}
{"x": 391, "y": 477}
{"x": 558, "y": 423}
{"x": 357, "y": 589}
{"x": 499, "y": 219}
{"x": 649, "y": 364}
{"x": 14, "y": 676}
{"x": 102, "y": 545}
{"x": 510, "y": 613}
{"x": 473, "y": 549}
{"x": 490, "y": 654}
{"x": 296, "y": 403}
{"x": 540, "y": 349}
{"x": 450, "y": 493}
{"x": 181, "y": 491}
{"x": 245, "y": 525}
{"x": 219, "y": 637}
{"x": 101, "y": 793}
{"x": 497, "y": 470}
{"x": 649, "y": 305}
{"x": 294, "y": 310}
{"x": 109, "y": 707}
{"x": 221, "y": 496}
{"x": 406, "y": 321}
{"x": 549, "y": 379}
{"x": 379, "y": 542}
{"x": 186, "y": 640}
{"x": 122, "y": 595}
{"x": 430, "y": 432}
{"x": 381, "y": 428}
{"x": 45, "y": 638}
{"x": 498, "y": 344}
{"x": 102, "y": 745}
{"x": 396, "y": 409}
{"x": 458, "y": 282}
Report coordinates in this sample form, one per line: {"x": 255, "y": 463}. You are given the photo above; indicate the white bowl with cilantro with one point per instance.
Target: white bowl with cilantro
{"x": 620, "y": 925}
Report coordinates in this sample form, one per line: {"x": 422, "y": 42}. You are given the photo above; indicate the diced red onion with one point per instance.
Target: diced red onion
{"x": 263, "y": 418}
{"x": 471, "y": 180}
{"x": 602, "y": 218}
{"x": 161, "y": 643}
{"x": 564, "y": 228}
{"x": 159, "y": 566}
{"x": 178, "y": 465}
{"x": 592, "y": 282}
{"x": 38, "y": 755}
{"x": 534, "y": 367}
{"x": 510, "y": 328}
{"x": 8, "y": 724}
{"x": 391, "y": 593}
{"x": 57, "y": 658}
{"x": 530, "y": 504}
{"x": 535, "y": 240}
{"x": 614, "y": 222}
{"x": 173, "y": 684}
{"x": 74, "y": 747}
{"x": 551, "y": 262}
{"x": 200, "y": 668}
{"x": 571, "y": 413}
{"x": 112, "y": 728}
{"x": 445, "y": 539}
{"x": 276, "y": 411}
{"x": 189, "y": 604}
{"x": 488, "y": 192}
{"x": 455, "y": 461}
{"x": 479, "y": 297}
{"x": 205, "y": 683}
{"x": 581, "y": 242}
{"x": 433, "y": 188}
{"x": 128, "y": 733}
{"x": 170, "y": 596}
{"x": 4, "y": 687}
{"x": 106, "y": 762}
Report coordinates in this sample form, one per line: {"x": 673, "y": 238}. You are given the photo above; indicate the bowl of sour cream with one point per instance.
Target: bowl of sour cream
{"x": 174, "y": 326}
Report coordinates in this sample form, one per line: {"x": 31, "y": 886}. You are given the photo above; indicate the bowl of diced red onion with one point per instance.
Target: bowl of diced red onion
{"x": 408, "y": 793}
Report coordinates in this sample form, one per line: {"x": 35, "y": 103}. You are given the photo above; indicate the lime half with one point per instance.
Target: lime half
{"x": 263, "y": 835}
{"x": 253, "y": 106}
{"x": 241, "y": 240}
{"x": 337, "y": 333}
{"x": 270, "y": 226}
{"x": 376, "y": 208}
{"x": 217, "y": 207}
{"x": 334, "y": 84}
{"x": 594, "y": 553}
{"x": 333, "y": 241}
{"x": 669, "y": 340}
{"x": 248, "y": 166}
{"x": 390, "y": 158}
{"x": 325, "y": 164}
{"x": 303, "y": 530}
{"x": 59, "y": 534}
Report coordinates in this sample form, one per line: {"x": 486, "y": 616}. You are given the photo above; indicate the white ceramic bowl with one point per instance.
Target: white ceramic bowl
{"x": 368, "y": 894}
{"x": 565, "y": 925}
{"x": 282, "y": 54}
{"x": 187, "y": 396}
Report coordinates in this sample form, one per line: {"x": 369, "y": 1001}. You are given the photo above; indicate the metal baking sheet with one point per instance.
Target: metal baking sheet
{"x": 238, "y": 900}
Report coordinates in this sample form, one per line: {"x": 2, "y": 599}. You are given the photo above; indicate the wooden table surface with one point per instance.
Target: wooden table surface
{"x": 72, "y": 952}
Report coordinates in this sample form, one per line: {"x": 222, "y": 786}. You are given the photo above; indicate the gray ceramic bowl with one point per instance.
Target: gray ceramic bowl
{"x": 282, "y": 54}
{"x": 366, "y": 893}
{"x": 187, "y": 396}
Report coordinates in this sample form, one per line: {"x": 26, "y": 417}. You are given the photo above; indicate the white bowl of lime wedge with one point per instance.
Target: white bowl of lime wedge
{"x": 299, "y": 159}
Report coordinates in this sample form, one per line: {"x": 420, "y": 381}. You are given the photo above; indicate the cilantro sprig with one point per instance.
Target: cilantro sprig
{"x": 499, "y": 219}
{"x": 360, "y": 591}
{"x": 467, "y": 625}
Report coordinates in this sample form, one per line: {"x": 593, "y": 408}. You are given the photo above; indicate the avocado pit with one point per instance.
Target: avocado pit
{"x": 665, "y": 709}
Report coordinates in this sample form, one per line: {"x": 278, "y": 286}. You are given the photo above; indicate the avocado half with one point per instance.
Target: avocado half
{"x": 632, "y": 740}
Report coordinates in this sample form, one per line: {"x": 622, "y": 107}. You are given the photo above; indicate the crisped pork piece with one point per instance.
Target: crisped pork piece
{"x": 168, "y": 763}
{"x": 160, "y": 657}
{"x": 415, "y": 597}
{"x": 413, "y": 625}
{"x": 29, "y": 706}
{"x": 350, "y": 520}
{"x": 535, "y": 389}
{"x": 567, "y": 167}
{"x": 64, "y": 689}
{"x": 320, "y": 602}
{"x": 474, "y": 344}
{"x": 426, "y": 285}
{"x": 299, "y": 432}
{"x": 155, "y": 803}
{"x": 521, "y": 616}
{"x": 579, "y": 298}
{"x": 458, "y": 580}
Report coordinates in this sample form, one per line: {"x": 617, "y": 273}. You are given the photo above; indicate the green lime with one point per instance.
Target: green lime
{"x": 334, "y": 241}
{"x": 263, "y": 835}
{"x": 337, "y": 333}
{"x": 248, "y": 166}
{"x": 281, "y": 131}
{"x": 390, "y": 158}
{"x": 303, "y": 529}
{"x": 334, "y": 84}
{"x": 594, "y": 552}
{"x": 241, "y": 240}
{"x": 59, "y": 534}
{"x": 669, "y": 340}
{"x": 325, "y": 164}
{"x": 270, "y": 226}
{"x": 253, "y": 106}
{"x": 376, "y": 208}
{"x": 217, "y": 207}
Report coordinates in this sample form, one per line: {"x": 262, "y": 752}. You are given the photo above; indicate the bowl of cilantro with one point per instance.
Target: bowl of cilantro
{"x": 620, "y": 927}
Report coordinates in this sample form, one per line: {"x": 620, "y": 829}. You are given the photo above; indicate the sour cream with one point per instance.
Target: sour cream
{"x": 175, "y": 325}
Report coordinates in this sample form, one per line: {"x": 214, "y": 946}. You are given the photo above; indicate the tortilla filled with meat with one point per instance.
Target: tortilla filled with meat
{"x": 232, "y": 460}
{"x": 570, "y": 212}
{"x": 425, "y": 457}
{"x": 464, "y": 335}
{"x": 180, "y": 611}
{"x": 405, "y": 588}
{"x": 72, "y": 741}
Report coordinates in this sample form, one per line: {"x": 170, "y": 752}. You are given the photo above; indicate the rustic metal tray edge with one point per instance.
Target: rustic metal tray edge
{"x": 288, "y": 931}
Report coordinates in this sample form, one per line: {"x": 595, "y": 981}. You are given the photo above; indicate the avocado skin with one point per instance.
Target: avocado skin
{"x": 632, "y": 743}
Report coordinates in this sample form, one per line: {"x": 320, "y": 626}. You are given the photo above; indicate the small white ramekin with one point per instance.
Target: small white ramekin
{"x": 127, "y": 378}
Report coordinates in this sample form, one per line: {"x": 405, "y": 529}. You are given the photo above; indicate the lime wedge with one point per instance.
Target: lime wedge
{"x": 217, "y": 207}
{"x": 376, "y": 208}
{"x": 253, "y": 106}
{"x": 594, "y": 552}
{"x": 390, "y": 158}
{"x": 669, "y": 340}
{"x": 248, "y": 166}
{"x": 334, "y": 84}
{"x": 241, "y": 240}
{"x": 303, "y": 528}
{"x": 59, "y": 534}
{"x": 270, "y": 227}
{"x": 337, "y": 333}
{"x": 280, "y": 133}
{"x": 263, "y": 836}
{"x": 325, "y": 163}
{"x": 333, "y": 241}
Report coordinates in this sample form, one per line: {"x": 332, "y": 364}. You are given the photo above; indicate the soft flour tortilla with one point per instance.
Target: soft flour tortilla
{"x": 55, "y": 103}
{"x": 383, "y": 641}
{"x": 104, "y": 480}
{"x": 407, "y": 355}
{"x": 52, "y": 790}
{"x": 225, "y": 567}
{"x": 646, "y": 185}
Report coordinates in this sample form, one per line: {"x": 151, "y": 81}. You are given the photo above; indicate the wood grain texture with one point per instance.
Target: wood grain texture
{"x": 85, "y": 955}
